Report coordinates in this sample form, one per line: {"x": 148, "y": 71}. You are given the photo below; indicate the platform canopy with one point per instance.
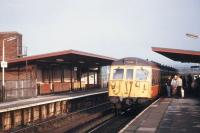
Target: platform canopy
{"x": 71, "y": 57}
{"x": 185, "y": 56}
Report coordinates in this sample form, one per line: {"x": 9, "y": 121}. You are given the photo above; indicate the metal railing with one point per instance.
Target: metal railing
{"x": 18, "y": 89}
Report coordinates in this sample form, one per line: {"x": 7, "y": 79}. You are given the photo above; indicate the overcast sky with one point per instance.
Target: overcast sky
{"x": 115, "y": 28}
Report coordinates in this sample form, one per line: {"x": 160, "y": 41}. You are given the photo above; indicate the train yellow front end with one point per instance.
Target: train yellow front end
{"x": 133, "y": 80}
{"x": 130, "y": 81}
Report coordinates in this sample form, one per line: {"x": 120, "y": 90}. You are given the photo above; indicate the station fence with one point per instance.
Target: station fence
{"x": 18, "y": 89}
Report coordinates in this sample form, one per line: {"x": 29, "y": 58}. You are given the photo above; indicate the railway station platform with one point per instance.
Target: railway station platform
{"x": 46, "y": 99}
{"x": 29, "y": 115}
{"x": 167, "y": 115}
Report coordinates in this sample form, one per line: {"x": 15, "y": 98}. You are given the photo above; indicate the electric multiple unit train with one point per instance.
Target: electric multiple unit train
{"x": 133, "y": 80}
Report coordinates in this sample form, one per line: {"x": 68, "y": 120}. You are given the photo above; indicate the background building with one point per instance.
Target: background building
{"x": 56, "y": 72}
{"x": 13, "y": 49}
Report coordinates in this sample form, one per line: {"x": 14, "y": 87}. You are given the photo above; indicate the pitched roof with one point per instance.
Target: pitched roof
{"x": 66, "y": 55}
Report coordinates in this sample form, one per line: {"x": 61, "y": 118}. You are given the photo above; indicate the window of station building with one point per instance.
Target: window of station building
{"x": 142, "y": 74}
{"x": 118, "y": 73}
{"x": 67, "y": 75}
{"x": 129, "y": 74}
{"x": 57, "y": 74}
{"x": 46, "y": 75}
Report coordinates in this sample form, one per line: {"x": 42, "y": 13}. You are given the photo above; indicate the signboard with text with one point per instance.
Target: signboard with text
{"x": 4, "y": 64}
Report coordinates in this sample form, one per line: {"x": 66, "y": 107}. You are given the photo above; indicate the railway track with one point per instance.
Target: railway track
{"x": 96, "y": 119}
{"x": 107, "y": 115}
{"x": 115, "y": 124}
{"x": 75, "y": 121}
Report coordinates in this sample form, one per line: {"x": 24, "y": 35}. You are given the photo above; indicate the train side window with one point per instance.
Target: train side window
{"x": 118, "y": 73}
{"x": 141, "y": 74}
{"x": 129, "y": 74}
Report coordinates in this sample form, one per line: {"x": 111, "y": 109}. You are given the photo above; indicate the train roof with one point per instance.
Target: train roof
{"x": 141, "y": 62}
{"x": 134, "y": 61}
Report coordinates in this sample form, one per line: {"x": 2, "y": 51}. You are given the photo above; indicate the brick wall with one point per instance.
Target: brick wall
{"x": 20, "y": 83}
{"x": 22, "y": 73}
{"x": 13, "y": 49}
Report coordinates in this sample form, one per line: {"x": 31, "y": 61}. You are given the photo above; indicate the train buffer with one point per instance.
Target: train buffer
{"x": 167, "y": 115}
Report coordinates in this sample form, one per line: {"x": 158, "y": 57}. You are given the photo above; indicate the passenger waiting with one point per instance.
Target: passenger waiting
{"x": 189, "y": 83}
{"x": 179, "y": 86}
{"x": 174, "y": 85}
{"x": 168, "y": 86}
{"x": 196, "y": 86}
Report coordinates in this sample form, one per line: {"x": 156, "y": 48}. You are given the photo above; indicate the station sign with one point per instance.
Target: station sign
{"x": 4, "y": 64}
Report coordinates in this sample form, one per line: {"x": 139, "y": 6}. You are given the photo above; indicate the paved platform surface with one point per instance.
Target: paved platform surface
{"x": 167, "y": 115}
{"x": 40, "y": 100}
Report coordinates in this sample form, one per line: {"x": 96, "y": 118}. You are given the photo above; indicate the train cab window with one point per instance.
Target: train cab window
{"x": 141, "y": 74}
{"x": 118, "y": 73}
{"x": 129, "y": 74}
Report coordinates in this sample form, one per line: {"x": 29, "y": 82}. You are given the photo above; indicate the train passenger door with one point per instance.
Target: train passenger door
{"x": 128, "y": 84}
{"x": 142, "y": 81}
{"x": 116, "y": 82}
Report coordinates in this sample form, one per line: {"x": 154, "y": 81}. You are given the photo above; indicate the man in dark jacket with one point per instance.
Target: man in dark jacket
{"x": 168, "y": 86}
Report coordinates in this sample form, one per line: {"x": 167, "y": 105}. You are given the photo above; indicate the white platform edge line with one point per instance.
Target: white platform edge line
{"x": 123, "y": 129}
{"x": 51, "y": 101}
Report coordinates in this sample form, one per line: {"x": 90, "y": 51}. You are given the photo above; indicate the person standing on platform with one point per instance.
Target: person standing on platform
{"x": 174, "y": 85}
{"x": 168, "y": 86}
{"x": 198, "y": 86}
{"x": 189, "y": 84}
{"x": 179, "y": 86}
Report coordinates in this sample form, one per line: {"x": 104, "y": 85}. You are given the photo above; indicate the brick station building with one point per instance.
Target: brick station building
{"x": 30, "y": 76}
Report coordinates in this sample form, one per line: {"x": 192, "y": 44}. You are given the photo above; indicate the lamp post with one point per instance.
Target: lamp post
{"x": 191, "y": 35}
{"x": 4, "y": 64}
